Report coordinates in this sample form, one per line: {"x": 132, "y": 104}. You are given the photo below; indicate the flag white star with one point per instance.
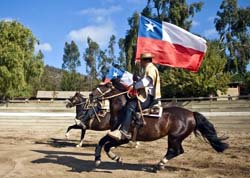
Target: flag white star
{"x": 150, "y": 26}
{"x": 115, "y": 74}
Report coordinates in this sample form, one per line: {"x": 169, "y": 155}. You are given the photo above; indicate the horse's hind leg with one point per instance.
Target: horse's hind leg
{"x": 82, "y": 137}
{"x": 174, "y": 149}
{"x": 98, "y": 149}
{"x": 108, "y": 143}
{"x": 113, "y": 144}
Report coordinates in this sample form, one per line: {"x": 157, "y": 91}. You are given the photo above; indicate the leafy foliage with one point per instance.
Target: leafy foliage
{"x": 70, "y": 79}
{"x": 177, "y": 12}
{"x": 19, "y": 67}
{"x": 71, "y": 57}
{"x": 107, "y": 59}
{"x": 91, "y": 54}
{"x": 130, "y": 41}
{"x": 233, "y": 25}
{"x": 51, "y": 79}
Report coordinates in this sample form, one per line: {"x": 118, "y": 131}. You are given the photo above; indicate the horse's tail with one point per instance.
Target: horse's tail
{"x": 208, "y": 132}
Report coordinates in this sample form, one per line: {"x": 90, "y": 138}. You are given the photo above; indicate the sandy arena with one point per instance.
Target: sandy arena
{"x": 27, "y": 152}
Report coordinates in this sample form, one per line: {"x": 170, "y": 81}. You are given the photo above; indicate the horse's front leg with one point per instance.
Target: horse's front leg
{"x": 82, "y": 137}
{"x": 67, "y": 132}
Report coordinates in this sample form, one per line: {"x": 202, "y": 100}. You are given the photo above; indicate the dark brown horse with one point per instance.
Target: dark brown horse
{"x": 177, "y": 123}
{"x": 79, "y": 101}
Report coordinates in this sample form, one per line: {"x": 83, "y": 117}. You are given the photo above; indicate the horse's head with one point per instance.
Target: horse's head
{"x": 77, "y": 99}
{"x": 112, "y": 92}
{"x": 103, "y": 90}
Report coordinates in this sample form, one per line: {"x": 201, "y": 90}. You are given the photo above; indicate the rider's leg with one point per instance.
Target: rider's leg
{"x": 126, "y": 118}
{"x": 86, "y": 117}
{"x": 126, "y": 121}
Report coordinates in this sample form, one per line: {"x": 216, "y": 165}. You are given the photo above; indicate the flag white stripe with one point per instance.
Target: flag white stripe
{"x": 176, "y": 35}
{"x": 127, "y": 78}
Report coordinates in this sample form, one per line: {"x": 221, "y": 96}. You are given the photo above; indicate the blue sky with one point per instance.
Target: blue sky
{"x": 53, "y": 22}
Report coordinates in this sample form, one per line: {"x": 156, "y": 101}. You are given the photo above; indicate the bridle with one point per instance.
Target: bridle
{"x": 106, "y": 92}
{"x": 103, "y": 93}
{"x": 81, "y": 103}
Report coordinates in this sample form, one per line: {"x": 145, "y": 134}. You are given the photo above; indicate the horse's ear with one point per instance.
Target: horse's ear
{"x": 77, "y": 93}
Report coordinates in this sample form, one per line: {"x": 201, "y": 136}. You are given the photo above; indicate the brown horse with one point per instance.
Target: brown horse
{"x": 79, "y": 101}
{"x": 177, "y": 123}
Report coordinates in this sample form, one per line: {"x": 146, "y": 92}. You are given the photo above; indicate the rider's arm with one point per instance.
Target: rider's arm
{"x": 144, "y": 82}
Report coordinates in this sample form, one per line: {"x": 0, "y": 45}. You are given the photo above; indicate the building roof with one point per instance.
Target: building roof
{"x": 59, "y": 94}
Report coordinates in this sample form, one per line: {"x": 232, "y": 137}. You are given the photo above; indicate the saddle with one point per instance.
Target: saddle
{"x": 155, "y": 110}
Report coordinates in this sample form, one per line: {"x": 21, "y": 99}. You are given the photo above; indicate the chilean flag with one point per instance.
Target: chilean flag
{"x": 170, "y": 45}
{"x": 126, "y": 78}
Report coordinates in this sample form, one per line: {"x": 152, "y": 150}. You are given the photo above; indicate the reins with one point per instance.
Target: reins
{"x": 103, "y": 93}
{"x": 115, "y": 95}
{"x": 108, "y": 97}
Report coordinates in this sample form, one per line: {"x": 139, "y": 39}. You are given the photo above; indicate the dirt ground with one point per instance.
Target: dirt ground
{"x": 31, "y": 153}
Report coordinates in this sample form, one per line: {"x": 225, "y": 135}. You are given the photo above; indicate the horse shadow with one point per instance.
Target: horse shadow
{"x": 79, "y": 165}
{"x": 60, "y": 143}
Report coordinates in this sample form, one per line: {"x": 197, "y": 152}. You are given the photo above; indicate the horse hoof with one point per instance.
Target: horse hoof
{"x": 119, "y": 160}
{"x": 157, "y": 168}
{"x": 152, "y": 169}
{"x": 97, "y": 163}
{"x": 78, "y": 145}
{"x": 67, "y": 136}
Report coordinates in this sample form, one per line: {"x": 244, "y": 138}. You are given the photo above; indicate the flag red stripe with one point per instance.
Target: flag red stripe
{"x": 168, "y": 54}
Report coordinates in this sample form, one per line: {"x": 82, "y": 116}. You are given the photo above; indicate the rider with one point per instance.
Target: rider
{"x": 95, "y": 108}
{"x": 149, "y": 91}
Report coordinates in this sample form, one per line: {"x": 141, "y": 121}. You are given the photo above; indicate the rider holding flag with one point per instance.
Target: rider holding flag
{"x": 148, "y": 89}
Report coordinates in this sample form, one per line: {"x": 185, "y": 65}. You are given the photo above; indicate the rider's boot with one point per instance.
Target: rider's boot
{"x": 123, "y": 132}
{"x": 84, "y": 120}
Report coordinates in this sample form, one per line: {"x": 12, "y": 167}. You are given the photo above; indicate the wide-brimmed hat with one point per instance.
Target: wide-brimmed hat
{"x": 146, "y": 55}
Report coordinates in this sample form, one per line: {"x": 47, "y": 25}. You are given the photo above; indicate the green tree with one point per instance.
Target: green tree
{"x": 130, "y": 41}
{"x": 102, "y": 64}
{"x": 233, "y": 24}
{"x": 71, "y": 57}
{"x": 71, "y": 60}
{"x": 35, "y": 70}
{"x": 17, "y": 60}
{"x": 111, "y": 49}
{"x": 121, "y": 58}
{"x": 105, "y": 60}
{"x": 91, "y": 56}
{"x": 72, "y": 81}
{"x": 51, "y": 79}
{"x": 177, "y": 12}
{"x": 246, "y": 85}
